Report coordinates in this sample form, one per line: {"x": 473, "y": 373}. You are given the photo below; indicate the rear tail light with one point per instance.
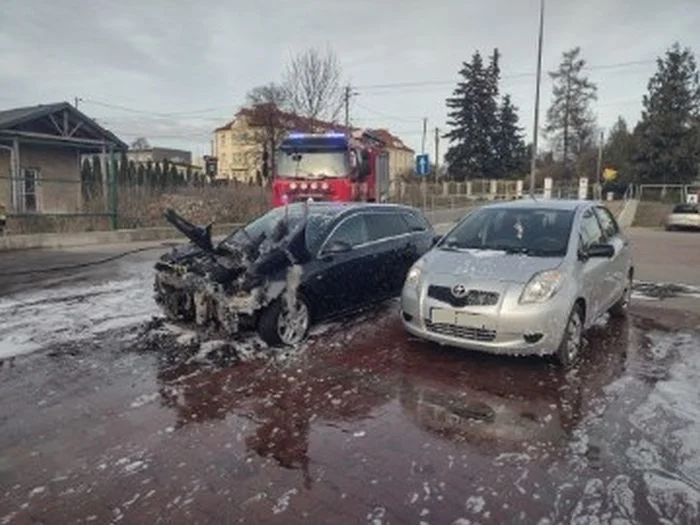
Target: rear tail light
{"x": 304, "y": 186}
{"x": 293, "y": 186}
{"x": 314, "y": 186}
{"x": 324, "y": 186}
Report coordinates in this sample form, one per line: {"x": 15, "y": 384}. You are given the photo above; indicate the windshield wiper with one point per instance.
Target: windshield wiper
{"x": 524, "y": 250}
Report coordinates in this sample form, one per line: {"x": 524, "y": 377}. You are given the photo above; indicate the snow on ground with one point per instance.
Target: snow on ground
{"x": 668, "y": 453}
{"x": 37, "y": 319}
{"x": 658, "y": 458}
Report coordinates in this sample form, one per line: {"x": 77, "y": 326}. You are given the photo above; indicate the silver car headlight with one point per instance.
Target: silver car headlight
{"x": 543, "y": 286}
{"x": 413, "y": 275}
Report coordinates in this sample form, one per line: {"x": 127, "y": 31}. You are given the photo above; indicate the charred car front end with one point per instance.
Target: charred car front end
{"x": 225, "y": 287}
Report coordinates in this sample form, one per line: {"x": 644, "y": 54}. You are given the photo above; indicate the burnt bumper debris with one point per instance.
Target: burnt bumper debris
{"x": 223, "y": 287}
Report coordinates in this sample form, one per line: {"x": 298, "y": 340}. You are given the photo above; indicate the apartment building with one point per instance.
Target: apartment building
{"x": 239, "y": 149}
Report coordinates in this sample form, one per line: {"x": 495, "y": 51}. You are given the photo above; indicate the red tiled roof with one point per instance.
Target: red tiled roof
{"x": 304, "y": 124}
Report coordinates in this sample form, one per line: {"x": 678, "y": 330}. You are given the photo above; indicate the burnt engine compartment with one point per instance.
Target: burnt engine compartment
{"x": 222, "y": 287}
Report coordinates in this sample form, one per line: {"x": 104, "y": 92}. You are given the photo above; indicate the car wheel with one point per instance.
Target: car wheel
{"x": 572, "y": 341}
{"x": 279, "y": 324}
{"x": 620, "y": 308}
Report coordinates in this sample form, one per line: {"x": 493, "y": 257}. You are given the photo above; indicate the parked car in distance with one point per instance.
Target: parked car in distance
{"x": 684, "y": 217}
{"x": 522, "y": 277}
{"x": 292, "y": 266}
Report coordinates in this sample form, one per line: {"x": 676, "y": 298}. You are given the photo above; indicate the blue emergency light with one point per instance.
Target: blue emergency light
{"x": 315, "y": 142}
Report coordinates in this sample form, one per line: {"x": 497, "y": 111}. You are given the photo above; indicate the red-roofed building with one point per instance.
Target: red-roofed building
{"x": 238, "y": 144}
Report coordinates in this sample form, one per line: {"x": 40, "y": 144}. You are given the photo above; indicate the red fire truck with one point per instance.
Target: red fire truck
{"x": 330, "y": 167}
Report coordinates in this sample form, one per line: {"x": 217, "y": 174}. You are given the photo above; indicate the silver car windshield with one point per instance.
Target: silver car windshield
{"x": 542, "y": 232}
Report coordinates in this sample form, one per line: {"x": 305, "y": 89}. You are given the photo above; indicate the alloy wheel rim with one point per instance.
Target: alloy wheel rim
{"x": 293, "y": 323}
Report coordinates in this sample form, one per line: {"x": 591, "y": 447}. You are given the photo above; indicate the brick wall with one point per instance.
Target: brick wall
{"x": 59, "y": 188}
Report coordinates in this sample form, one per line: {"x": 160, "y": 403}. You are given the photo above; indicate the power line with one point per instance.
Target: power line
{"x": 426, "y": 83}
{"x": 192, "y": 113}
{"x": 367, "y": 87}
{"x": 385, "y": 116}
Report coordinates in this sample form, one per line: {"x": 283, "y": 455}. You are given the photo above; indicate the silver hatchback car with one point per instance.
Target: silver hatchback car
{"x": 522, "y": 277}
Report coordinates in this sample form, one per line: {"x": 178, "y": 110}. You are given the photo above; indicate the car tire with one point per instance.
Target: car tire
{"x": 271, "y": 325}
{"x": 572, "y": 340}
{"x": 621, "y": 307}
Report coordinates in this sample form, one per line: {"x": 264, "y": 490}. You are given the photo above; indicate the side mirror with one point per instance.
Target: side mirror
{"x": 601, "y": 250}
{"x": 337, "y": 247}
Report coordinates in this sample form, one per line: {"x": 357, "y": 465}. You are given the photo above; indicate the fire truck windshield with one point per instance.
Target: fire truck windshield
{"x": 312, "y": 164}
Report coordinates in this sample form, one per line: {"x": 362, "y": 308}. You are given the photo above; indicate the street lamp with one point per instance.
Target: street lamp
{"x": 535, "y": 131}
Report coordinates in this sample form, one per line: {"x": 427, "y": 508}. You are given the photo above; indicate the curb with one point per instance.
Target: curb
{"x": 67, "y": 240}
{"x": 626, "y": 216}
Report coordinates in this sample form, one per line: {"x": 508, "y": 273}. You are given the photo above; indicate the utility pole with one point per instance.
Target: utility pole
{"x": 599, "y": 167}
{"x": 347, "y": 106}
{"x": 535, "y": 131}
{"x": 77, "y": 99}
{"x": 425, "y": 132}
{"x": 437, "y": 152}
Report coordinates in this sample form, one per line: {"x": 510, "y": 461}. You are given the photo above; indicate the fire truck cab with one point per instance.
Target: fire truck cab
{"x": 330, "y": 167}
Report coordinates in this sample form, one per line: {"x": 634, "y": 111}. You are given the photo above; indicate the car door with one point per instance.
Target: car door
{"x": 339, "y": 281}
{"x": 395, "y": 247}
{"x": 619, "y": 264}
{"x": 594, "y": 269}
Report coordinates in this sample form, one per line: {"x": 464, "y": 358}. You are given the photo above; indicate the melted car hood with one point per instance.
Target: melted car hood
{"x": 487, "y": 265}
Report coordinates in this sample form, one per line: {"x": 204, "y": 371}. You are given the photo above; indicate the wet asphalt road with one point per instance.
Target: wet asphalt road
{"x": 105, "y": 420}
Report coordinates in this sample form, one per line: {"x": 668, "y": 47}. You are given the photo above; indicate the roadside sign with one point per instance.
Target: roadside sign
{"x": 210, "y": 165}
{"x": 583, "y": 188}
{"x": 422, "y": 164}
{"x": 609, "y": 174}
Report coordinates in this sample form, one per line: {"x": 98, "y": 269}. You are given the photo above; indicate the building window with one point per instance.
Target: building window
{"x": 26, "y": 189}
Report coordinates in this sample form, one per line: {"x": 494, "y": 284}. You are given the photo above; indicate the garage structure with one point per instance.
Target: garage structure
{"x": 40, "y": 158}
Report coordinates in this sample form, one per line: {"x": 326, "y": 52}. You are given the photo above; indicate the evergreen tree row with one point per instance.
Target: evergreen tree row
{"x": 664, "y": 146}
{"x": 485, "y": 138}
{"x": 152, "y": 175}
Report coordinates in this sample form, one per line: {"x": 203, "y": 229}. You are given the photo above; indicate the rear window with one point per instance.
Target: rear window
{"x": 385, "y": 225}
{"x": 415, "y": 222}
{"x": 685, "y": 208}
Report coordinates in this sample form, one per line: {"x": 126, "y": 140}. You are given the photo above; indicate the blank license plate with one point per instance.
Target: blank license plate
{"x": 443, "y": 316}
{"x": 465, "y": 319}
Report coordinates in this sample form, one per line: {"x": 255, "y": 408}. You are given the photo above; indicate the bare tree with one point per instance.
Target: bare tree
{"x": 313, "y": 84}
{"x": 141, "y": 143}
{"x": 268, "y": 104}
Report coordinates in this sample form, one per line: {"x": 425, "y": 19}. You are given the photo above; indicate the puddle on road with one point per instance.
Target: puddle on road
{"x": 659, "y": 291}
{"x": 365, "y": 423}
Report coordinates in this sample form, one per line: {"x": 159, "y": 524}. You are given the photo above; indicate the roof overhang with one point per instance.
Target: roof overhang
{"x": 90, "y": 145}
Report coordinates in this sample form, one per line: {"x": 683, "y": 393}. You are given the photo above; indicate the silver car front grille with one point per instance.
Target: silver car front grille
{"x": 463, "y": 332}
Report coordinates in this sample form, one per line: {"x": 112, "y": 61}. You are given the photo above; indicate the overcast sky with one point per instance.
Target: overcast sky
{"x": 172, "y": 70}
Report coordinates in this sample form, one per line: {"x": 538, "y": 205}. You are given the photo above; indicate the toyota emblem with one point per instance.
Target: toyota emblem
{"x": 459, "y": 291}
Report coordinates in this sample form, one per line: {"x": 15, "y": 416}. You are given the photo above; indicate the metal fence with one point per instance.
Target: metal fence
{"x": 74, "y": 206}
{"x": 35, "y": 204}
{"x": 666, "y": 193}
{"x": 41, "y": 205}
